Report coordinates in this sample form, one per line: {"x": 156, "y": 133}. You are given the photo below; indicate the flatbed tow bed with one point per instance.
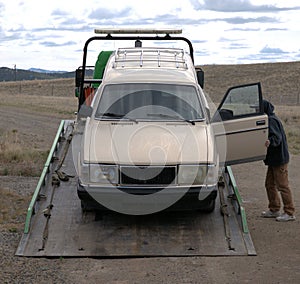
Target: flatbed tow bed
{"x": 56, "y": 226}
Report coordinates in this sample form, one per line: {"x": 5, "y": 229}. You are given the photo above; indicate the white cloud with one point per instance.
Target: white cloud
{"x": 222, "y": 31}
{"x": 107, "y": 14}
{"x": 271, "y": 50}
{"x": 240, "y": 6}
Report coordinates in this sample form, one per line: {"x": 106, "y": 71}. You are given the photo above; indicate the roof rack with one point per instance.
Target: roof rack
{"x": 150, "y": 57}
{"x": 137, "y": 31}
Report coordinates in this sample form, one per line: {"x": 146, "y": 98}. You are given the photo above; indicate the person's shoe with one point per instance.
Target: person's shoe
{"x": 270, "y": 214}
{"x": 285, "y": 218}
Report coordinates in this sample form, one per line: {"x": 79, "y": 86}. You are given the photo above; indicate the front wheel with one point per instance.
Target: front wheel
{"x": 86, "y": 206}
{"x": 209, "y": 206}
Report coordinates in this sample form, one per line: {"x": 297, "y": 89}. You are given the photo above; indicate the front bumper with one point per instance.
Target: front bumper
{"x": 197, "y": 197}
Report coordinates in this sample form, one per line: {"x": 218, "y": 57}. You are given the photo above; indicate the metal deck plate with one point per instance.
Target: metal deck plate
{"x": 72, "y": 233}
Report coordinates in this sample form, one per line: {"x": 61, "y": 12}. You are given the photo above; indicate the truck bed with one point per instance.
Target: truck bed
{"x": 69, "y": 232}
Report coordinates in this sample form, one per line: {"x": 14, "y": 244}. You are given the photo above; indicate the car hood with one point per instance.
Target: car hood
{"x": 145, "y": 143}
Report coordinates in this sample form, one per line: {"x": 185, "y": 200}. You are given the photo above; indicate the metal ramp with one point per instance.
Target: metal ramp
{"x": 71, "y": 233}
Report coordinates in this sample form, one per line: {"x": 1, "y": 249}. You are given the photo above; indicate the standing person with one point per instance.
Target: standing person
{"x": 277, "y": 160}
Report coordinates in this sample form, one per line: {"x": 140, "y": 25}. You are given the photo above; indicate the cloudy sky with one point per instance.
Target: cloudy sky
{"x": 51, "y": 34}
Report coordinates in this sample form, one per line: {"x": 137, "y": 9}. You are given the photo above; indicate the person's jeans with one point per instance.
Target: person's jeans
{"x": 277, "y": 181}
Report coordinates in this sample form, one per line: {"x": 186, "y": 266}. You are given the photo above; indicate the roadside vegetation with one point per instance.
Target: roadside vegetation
{"x": 61, "y": 107}
{"x": 17, "y": 159}
{"x": 12, "y": 210}
{"x": 23, "y": 153}
{"x": 290, "y": 116}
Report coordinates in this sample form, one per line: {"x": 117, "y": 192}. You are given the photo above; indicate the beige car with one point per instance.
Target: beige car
{"x": 151, "y": 140}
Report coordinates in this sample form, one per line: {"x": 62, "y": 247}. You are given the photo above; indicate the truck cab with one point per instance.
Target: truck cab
{"x": 150, "y": 141}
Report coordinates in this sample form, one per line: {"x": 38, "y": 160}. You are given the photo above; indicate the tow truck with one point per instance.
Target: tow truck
{"x": 144, "y": 170}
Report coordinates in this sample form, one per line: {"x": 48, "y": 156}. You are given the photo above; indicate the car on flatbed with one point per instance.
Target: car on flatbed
{"x": 150, "y": 139}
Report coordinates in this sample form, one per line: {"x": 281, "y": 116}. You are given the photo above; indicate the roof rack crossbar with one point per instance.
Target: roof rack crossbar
{"x": 176, "y": 60}
{"x": 158, "y": 58}
{"x": 124, "y": 58}
{"x": 141, "y": 59}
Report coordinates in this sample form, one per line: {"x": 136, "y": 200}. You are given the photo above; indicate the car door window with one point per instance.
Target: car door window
{"x": 240, "y": 101}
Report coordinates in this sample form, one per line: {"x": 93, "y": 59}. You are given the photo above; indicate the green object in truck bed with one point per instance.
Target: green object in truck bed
{"x": 100, "y": 66}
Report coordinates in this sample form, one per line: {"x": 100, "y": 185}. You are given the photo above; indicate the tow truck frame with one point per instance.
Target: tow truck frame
{"x": 161, "y": 35}
{"x": 55, "y": 225}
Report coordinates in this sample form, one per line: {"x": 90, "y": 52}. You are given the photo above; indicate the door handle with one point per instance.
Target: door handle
{"x": 260, "y": 122}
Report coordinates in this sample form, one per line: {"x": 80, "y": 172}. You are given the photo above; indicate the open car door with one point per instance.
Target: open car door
{"x": 240, "y": 126}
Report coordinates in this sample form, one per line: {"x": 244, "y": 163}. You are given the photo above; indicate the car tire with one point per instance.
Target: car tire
{"x": 209, "y": 206}
{"x": 86, "y": 206}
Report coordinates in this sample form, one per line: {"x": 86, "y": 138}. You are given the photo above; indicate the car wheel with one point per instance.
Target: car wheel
{"x": 86, "y": 206}
{"x": 209, "y": 206}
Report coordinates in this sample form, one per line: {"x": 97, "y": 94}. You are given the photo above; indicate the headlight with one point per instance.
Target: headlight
{"x": 191, "y": 174}
{"x": 103, "y": 174}
{"x": 83, "y": 172}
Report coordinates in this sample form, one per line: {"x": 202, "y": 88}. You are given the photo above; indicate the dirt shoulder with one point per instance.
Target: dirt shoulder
{"x": 277, "y": 246}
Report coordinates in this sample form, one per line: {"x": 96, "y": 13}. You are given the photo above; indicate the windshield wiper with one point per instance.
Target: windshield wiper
{"x": 111, "y": 114}
{"x": 172, "y": 116}
{"x": 118, "y": 116}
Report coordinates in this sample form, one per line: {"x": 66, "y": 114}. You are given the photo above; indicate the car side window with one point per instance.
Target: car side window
{"x": 240, "y": 101}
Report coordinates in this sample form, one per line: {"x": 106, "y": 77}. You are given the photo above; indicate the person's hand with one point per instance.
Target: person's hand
{"x": 267, "y": 143}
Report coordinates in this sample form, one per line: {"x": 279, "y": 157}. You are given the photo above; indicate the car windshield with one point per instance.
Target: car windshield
{"x": 150, "y": 102}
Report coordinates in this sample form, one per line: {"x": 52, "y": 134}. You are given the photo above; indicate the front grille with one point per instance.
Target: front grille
{"x": 147, "y": 175}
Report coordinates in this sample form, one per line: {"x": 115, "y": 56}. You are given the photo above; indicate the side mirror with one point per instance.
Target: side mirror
{"x": 200, "y": 76}
{"x": 78, "y": 77}
{"x": 85, "y": 111}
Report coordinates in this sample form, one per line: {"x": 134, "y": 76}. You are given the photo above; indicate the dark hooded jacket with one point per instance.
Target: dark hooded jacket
{"x": 277, "y": 153}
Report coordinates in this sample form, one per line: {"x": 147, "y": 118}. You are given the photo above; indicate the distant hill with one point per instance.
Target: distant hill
{"x": 45, "y": 71}
{"x": 7, "y": 74}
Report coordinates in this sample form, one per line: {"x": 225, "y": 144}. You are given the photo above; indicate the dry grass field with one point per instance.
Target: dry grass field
{"x": 55, "y": 99}
{"x": 56, "y": 87}
{"x": 280, "y": 81}
{"x": 30, "y": 112}
{"x": 24, "y": 151}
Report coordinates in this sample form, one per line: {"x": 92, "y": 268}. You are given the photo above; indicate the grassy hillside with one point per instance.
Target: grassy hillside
{"x": 54, "y": 87}
{"x": 7, "y": 74}
{"x": 280, "y": 81}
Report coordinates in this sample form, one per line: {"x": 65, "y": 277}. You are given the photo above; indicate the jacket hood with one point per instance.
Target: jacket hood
{"x": 268, "y": 108}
